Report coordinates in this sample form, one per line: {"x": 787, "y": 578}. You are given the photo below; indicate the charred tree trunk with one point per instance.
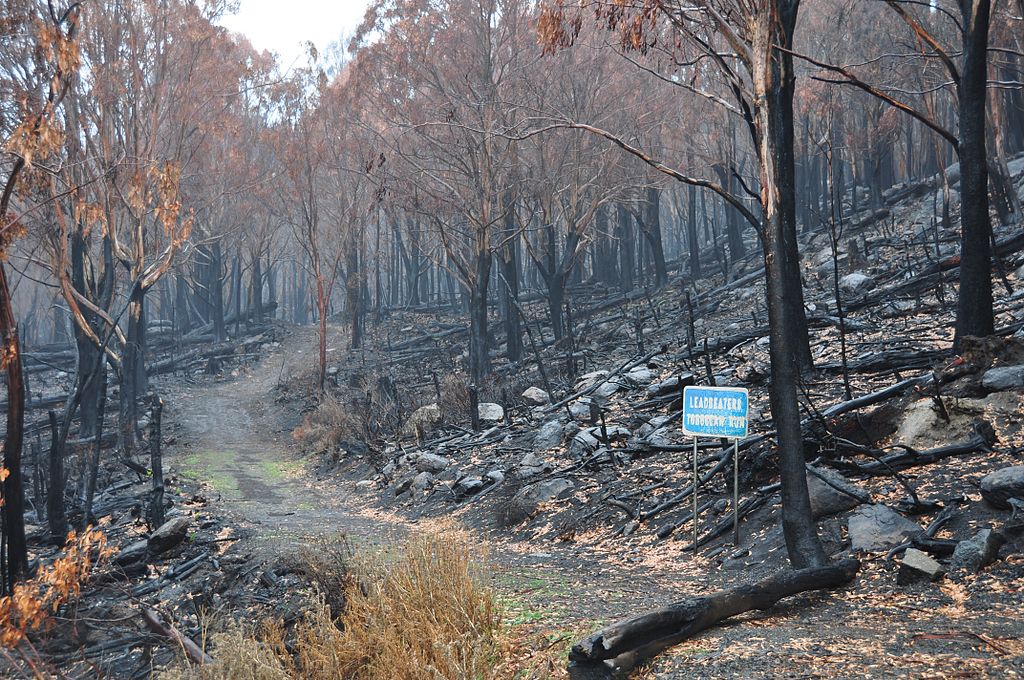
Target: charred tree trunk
{"x": 974, "y": 310}
{"x": 652, "y": 232}
{"x": 256, "y": 288}
{"x": 479, "y": 357}
{"x": 773, "y": 85}
{"x": 508, "y": 268}
{"x": 624, "y": 234}
{"x": 55, "y": 516}
{"x": 615, "y": 649}
{"x": 691, "y": 233}
{"x": 133, "y": 360}
{"x": 13, "y": 509}
{"x": 217, "y": 293}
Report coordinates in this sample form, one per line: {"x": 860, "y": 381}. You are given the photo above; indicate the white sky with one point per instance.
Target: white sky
{"x": 284, "y": 26}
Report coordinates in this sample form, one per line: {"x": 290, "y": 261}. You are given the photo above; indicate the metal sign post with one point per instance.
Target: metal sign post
{"x": 720, "y": 412}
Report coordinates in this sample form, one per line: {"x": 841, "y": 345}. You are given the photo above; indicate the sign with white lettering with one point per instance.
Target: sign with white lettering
{"x": 715, "y": 412}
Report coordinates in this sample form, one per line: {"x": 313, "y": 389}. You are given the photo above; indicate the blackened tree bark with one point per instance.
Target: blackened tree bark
{"x": 974, "y": 309}
{"x": 182, "y": 315}
{"x": 650, "y": 225}
{"x": 256, "y": 287}
{"x": 606, "y": 269}
{"x": 733, "y": 220}
{"x": 624, "y": 234}
{"x": 508, "y": 267}
{"x": 779, "y": 102}
{"x": 217, "y": 292}
{"x": 13, "y": 509}
{"x": 479, "y": 347}
{"x": 772, "y": 72}
{"x": 691, "y": 233}
{"x": 132, "y": 362}
{"x": 353, "y": 297}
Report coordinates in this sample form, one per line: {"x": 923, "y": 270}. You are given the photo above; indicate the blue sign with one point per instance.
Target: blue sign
{"x": 715, "y": 412}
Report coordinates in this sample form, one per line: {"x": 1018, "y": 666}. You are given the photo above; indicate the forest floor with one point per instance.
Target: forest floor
{"x": 233, "y": 434}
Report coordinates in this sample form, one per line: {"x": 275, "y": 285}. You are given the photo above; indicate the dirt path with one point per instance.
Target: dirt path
{"x": 229, "y": 435}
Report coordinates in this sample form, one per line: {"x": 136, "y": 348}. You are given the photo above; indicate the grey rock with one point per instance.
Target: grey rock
{"x": 671, "y": 385}
{"x": 169, "y": 534}
{"x": 365, "y": 485}
{"x": 549, "y": 435}
{"x": 531, "y": 465}
{"x": 527, "y": 500}
{"x": 607, "y": 389}
{"x": 918, "y": 566}
{"x": 652, "y": 425}
{"x": 496, "y": 476}
{"x": 422, "y": 482}
{"x": 977, "y": 552}
{"x": 490, "y": 412}
{"x": 831, "y": 493}
{"x": 389, "y": 470}
{"x": 580, "y": 409}
{"x": 430, "y": 462}
{"x": 641, "y": 375}
{"x": 467, "y": 486}
{"x": 584, "y": 442}
{"x": 876, "y": 527}
{"x": 1003, "y": 378}
{"x": 536, "y": 396}
{"x": 856, "y": 283}
{"x": 721, "y": 505}
{"x": 1000, "y": 486}
{"x": 133, "y": 552}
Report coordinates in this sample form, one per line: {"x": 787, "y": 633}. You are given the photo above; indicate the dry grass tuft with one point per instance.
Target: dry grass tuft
{"x": 326, "y": 426}
{"x": 429, "y": 614}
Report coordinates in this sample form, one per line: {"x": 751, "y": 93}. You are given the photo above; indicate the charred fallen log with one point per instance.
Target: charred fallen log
{"x": 614, "y": 650}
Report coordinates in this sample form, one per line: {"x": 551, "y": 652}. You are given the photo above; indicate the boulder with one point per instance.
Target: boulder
{"x": 531, "y": 465}
{"x": 491, "y": 412}
{"x": 671, "y": 385}
{"x": 422, "y": 482}
{"x": 467, "y": 486}
{"x": 918, "y": 566}
{"x": 527, "y": 500}
{"x": 536, "y": 396}
{"x": 132, "y": 553}
{"x": 430, "y": 462}
{"x": 831, "y": 493}
{"x": 495, "y": 477}
{"x": 580, "y": 409}
{"x": 584, "y": 442}
{"x": 365, "y": 485}
{"x": 1003, "y": 378}
{"x": 875, "y": 527}
{"x": 588, "y": 380}
{"x": 549, "y": 435}
{"x": 607, "y": 389}
{"x": 422, "y": 418}
{"x": 641, "y": 375}
{"x": 856, "y": 283}
{"x": 977, "y": 552}
{"x": 169, "y": 534}
{"x": 1000, "y": 486}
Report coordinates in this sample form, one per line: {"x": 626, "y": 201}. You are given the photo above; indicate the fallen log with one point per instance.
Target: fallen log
{"x": 614, "y": 650}
{"x": 191, "y": 649}
{"x": 982, "y": 440}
